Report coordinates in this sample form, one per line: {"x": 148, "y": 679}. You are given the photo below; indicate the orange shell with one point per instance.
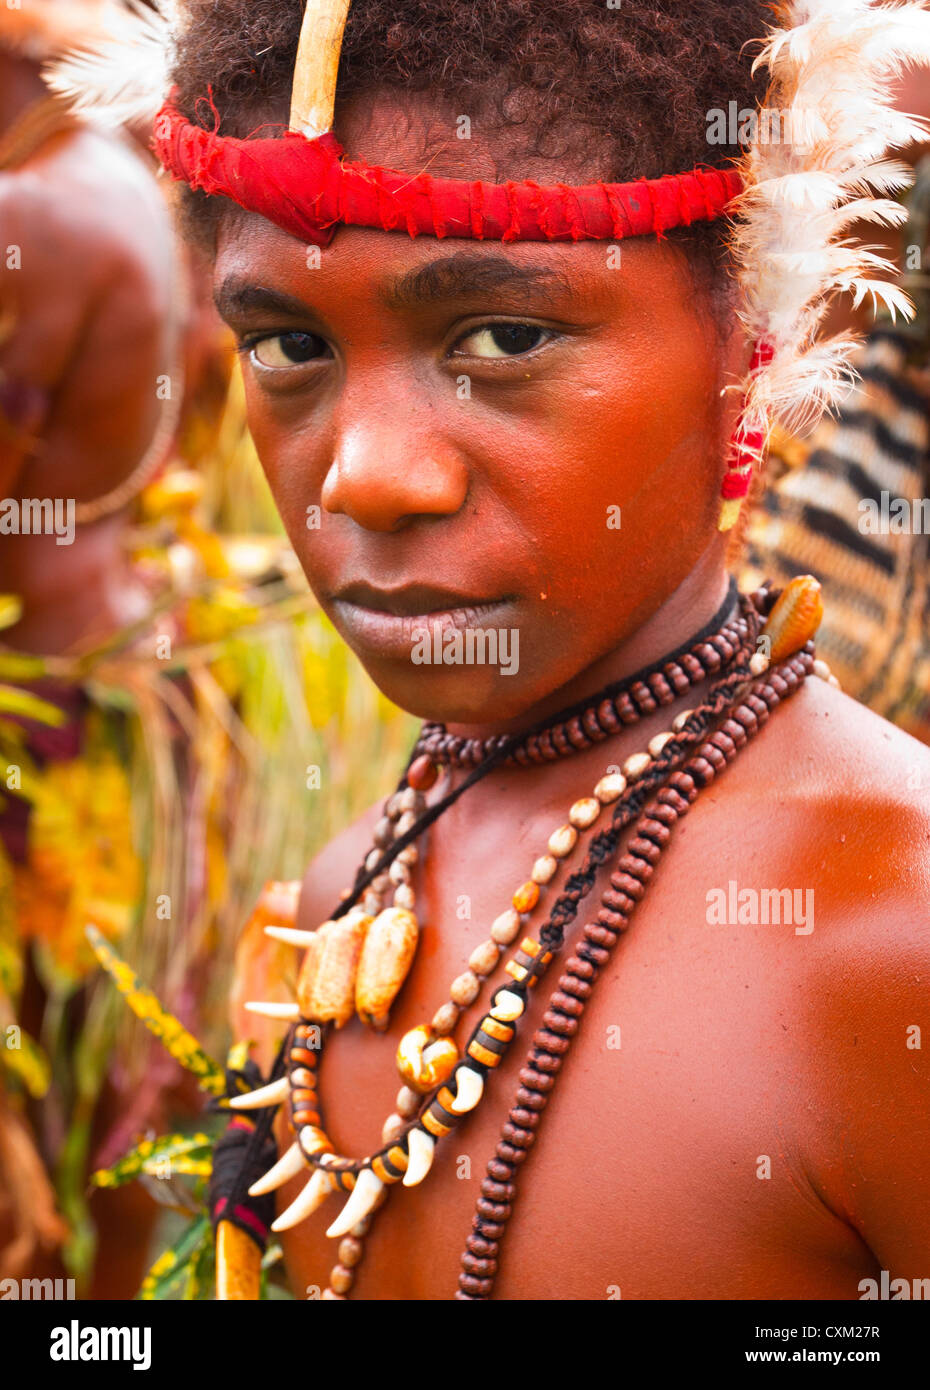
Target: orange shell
{"x": 326, "y": 987}
{"x": 796, "y": 616}
{"x": 424, "y": 1061}
{"x": 386, "y": 957}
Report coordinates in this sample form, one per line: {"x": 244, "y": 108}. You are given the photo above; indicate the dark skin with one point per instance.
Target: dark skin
{"x": 736, "y": 1042}
{"x": 89, "y": 348}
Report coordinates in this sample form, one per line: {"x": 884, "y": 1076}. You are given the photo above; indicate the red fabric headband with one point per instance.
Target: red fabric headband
{"x": 306, "y": 187}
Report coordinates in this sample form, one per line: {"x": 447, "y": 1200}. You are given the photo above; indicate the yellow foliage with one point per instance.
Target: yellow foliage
{"x": 81, "y": 867}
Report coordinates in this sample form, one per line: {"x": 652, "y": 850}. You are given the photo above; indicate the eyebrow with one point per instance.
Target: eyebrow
{"x": 238, "y": 296}
{"x": 447, "y": 278}
{"x": 465, "y": 273}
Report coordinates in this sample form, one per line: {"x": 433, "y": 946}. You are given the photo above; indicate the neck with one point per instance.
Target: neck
{"x": 661, "y": 630}
{"x": 20, "y": 85}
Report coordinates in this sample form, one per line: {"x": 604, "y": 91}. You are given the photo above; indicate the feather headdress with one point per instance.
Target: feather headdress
{"x": 120, "y": 73}
{"x": 123, "y": 74}
{"x": 816, "y": 166}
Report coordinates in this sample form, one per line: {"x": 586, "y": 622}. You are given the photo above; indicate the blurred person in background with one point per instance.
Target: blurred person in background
{"x": 90, "y": 386}
{"x": 90, "y": 341}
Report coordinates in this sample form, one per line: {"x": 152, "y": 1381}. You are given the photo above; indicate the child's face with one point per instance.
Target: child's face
{"x": 526, "y": 438}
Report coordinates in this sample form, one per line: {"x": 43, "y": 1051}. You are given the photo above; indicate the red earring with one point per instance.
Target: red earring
{"x": 747, "y": 445}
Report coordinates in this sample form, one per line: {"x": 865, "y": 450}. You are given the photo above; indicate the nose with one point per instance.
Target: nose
{"x": 385, "y": 473}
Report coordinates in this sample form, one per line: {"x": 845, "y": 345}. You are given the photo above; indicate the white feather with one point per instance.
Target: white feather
{"x": 831, "y": 67}
{"x": 125, "y": 76}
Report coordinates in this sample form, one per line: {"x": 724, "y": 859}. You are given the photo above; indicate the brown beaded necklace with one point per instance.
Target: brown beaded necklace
{"x": 654, "y": 790}
{"x": 628, "y": 884}
{"x": 617, "y": 706}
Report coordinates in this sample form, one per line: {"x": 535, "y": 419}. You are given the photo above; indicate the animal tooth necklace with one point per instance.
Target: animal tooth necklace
{"x": 358, "y": 960}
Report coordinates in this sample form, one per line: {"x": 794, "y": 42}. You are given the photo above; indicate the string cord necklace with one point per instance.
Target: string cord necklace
{"x": 358, "y": 959}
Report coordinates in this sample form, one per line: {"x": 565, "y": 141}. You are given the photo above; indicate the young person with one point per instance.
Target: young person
{"x": 506, "y": 430}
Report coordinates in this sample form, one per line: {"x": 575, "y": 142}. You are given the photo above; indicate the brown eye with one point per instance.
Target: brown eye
{"x": 289, "y": 349}
{"x": 502, "y": 340}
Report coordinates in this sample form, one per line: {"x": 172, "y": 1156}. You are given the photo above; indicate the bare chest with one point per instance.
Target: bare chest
{"x": 662, "y": 1165}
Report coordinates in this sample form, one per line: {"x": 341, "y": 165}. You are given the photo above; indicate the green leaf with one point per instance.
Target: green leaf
{"x": 170, "y": 1156}
{"x": 176, "y": 1263}
{"x": 201, "y": 1278}
{"x": 171, "y": 1033}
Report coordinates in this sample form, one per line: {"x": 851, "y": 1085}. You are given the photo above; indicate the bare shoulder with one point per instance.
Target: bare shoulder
{"x": 89, "y": 287}
{"x": 334, "y": 869}
{"x": 846, "y": 735}
{"x": 849, "y": 810}
{"x": 829, "y": 766}
{"x": 87, "y": 199}
{"x": 89, "y": 180}
{"x": 832, "y": 802}
{"x": 836, "y": 801}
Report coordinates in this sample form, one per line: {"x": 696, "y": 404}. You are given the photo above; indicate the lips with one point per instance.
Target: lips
{"x": 388, "y": 622}
{"x": 410, "y": 600}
